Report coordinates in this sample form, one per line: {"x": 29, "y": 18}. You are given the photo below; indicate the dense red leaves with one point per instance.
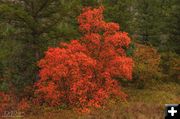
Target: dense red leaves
{"x": 81, "y": 73}
{"x": 91, "y": 20}
{"x": 23, "y": 105}
{"x": 4, "y": 101}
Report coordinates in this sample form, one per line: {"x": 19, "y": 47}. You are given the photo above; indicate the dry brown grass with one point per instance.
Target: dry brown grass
{"x": 142, "y": 104}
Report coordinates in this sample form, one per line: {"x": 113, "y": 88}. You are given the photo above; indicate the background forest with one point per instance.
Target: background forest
{"x": 29, "y": 27}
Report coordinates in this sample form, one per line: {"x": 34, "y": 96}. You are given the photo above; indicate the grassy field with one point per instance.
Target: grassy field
{"x": 145, "y": 103}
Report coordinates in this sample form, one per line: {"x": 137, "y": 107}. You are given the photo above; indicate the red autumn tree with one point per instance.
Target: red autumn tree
{"x": 81, "y": 73}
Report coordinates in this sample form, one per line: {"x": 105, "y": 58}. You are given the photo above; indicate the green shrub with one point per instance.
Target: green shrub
{"x": 170, "y": 64}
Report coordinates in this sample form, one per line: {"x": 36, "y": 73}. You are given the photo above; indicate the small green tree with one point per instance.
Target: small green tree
{"x": 147, "y": 19}
{"x": 174, "y": 27}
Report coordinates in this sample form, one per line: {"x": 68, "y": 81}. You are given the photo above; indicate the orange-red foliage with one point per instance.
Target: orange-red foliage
{"x": 4, "y": 101}
{"x": 80, "y": 73}
{"x": 23, "y": 105}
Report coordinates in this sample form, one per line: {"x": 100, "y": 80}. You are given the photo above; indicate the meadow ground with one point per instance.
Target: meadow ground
{"x": 147, "y": 103}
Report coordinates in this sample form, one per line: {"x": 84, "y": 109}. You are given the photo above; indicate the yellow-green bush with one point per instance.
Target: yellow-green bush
{"x": 146, "y": 65}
